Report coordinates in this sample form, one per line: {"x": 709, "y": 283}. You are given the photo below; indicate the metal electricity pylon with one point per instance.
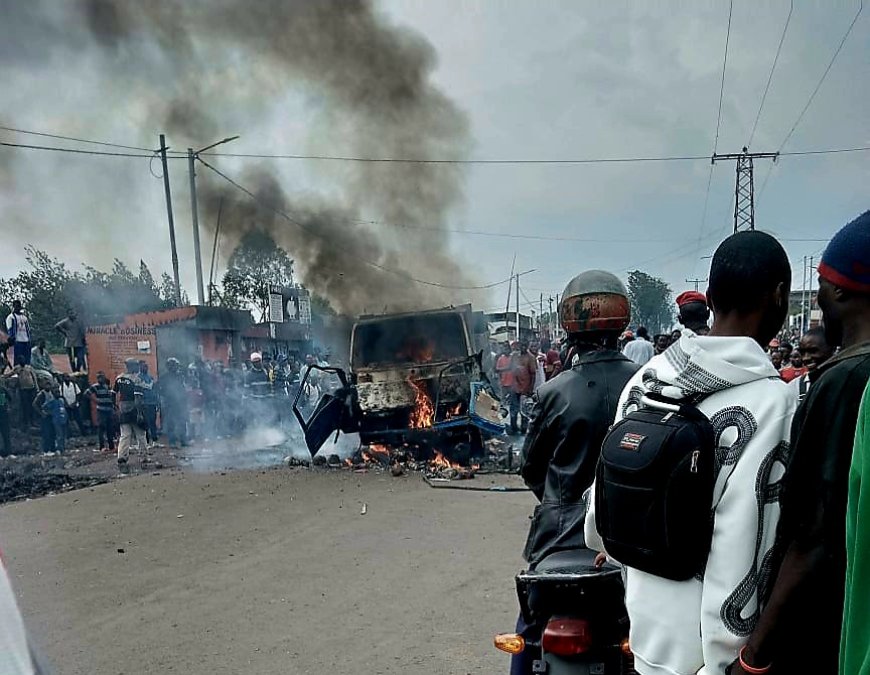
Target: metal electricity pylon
{"x": 744, "y": 190}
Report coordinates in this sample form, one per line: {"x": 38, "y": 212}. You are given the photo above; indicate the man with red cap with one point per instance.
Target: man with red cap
{"x": 799, "y": 629}
{"x": 694, "y": 312}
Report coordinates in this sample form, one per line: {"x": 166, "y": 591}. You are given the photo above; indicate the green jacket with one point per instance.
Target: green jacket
{"x": 855, "y": 643}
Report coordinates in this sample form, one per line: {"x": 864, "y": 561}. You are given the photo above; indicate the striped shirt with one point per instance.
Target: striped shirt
{"x": 105, "y": 397}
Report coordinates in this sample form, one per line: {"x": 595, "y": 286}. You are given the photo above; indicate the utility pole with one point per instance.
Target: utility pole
{"x": 697, "y": 282}
{"x": 804, "y": 300}
{"x": 192, "y": 156}
{"x": 744, "y": 190}
{"x": 518, "y": 307}
{"x": 810, "y": 302}
{"x": 174, "y": 250}
{"x": 197, "y": 253}
{"x": 551, "y": 319}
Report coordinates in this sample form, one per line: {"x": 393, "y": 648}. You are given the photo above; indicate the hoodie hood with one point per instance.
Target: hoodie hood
{"x": 699, "y": 364}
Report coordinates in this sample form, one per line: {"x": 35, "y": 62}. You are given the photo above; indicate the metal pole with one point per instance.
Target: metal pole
{"x": 810, "y": 298}
{"x": 518, "y": 307}
{"x": 804, "y": 300}
{"x": 171, "y": 221}
{"x": 197, "y": 254}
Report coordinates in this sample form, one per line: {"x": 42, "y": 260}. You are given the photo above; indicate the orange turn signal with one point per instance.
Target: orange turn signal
{"x": 626, "y": 647}
{"x": 510, "y": 643}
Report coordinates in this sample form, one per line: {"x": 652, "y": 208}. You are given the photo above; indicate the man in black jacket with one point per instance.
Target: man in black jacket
{"x": 571, "y": 415}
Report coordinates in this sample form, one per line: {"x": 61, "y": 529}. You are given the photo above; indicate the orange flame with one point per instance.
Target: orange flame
{"x": 455, "y": 411}
{"x": 441, "y": 462}
{"x": 423, "y": 414}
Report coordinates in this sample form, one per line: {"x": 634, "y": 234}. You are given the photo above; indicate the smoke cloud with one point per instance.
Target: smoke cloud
{"x": 193, "y": 65}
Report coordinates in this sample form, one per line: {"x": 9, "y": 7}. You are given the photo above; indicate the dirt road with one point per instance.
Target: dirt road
{"x": 268, "y": 571}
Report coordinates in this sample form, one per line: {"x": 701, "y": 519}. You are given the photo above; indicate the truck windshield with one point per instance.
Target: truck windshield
{"x": 409, "y": 339}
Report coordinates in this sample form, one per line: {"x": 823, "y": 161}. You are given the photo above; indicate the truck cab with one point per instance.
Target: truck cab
{"x": 416, "y": 378}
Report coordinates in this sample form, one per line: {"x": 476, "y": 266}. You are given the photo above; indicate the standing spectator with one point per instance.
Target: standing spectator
{"x": 505, "y": 372}
{"x": 18, "y": 331}
{"x": 71, "y": 392}
{"x": 535, "y": 351}
{"x": 855, "y": 640}
{"x": 129, "y": 401}
{"x": 55, "y": 410}
{"x": 150, "y": 402}
{"x": 46, "y": 424}
{"x": 26, "y": 390}
{"x": 552, "y": 362}
{"x": 104, "y": 398}
{"x": 776, "y": 359}
{"x": 795, "y": 367}
{"x": 525, "y": 368}
{"x": 4, "y": 419}
{"x": 73, "y": 332}
{"x": 662, "y": 342}
{"x": 805, "y": 605}
{"x": 700, "y": 625}
{"x": 173, "y": 403}
{"x": 40, "y": 359}
{"x": 693, "y": 311}
{"x": 640, "y": 349}
{"x": 815, "y": 350}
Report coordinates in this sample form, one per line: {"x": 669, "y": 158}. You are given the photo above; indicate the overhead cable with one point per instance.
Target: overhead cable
{"x": 319, "y": 234}
{"x": 770, "y": 77}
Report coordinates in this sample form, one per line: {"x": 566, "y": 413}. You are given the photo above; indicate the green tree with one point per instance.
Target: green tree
{"x": 651, "y": 304}
{"x": 255, "y": 264}
{"x": 48, "y": 290}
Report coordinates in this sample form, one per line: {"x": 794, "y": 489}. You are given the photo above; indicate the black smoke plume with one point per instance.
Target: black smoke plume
{"x": 194, "y": 65}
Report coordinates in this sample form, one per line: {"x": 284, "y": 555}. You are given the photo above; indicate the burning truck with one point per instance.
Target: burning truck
{"x": 416, "y": 380}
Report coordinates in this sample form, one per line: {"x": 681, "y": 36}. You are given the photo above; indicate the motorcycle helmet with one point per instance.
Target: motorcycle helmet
{"x": 594, "y": 301}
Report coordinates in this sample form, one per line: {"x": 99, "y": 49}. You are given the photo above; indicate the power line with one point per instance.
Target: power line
{"x": 72, "y": 138}
{"x": 824, "y": 75}
{"x": 718, "y": 124}
{"x": 722, "y": 85}
{"x": 313, "y": 231}
{"x": 770, "y": 77}
{"x": 593, "y": 160}
{"x": 99, "y": 153}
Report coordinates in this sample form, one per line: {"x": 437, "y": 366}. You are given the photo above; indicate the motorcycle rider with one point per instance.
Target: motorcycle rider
{"x": 570, "y": 418}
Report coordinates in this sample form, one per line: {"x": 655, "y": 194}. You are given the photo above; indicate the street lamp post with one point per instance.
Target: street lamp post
{"x": 192, "y": 156}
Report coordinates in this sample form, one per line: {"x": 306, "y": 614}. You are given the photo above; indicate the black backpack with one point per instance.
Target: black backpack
{"x": 654, "y": 488}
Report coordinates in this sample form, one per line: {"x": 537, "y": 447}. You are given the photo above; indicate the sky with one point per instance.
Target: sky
{"x": 536, "y": 80}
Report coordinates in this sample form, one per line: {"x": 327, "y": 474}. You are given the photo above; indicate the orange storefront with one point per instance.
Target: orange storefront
{"x": 184, "y": 333}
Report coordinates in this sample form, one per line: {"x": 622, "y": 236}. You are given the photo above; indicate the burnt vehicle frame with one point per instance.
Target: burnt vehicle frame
{"x": 416, "y": 379}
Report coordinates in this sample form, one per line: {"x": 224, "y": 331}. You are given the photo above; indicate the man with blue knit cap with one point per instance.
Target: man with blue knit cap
{"x": 799, "y": 627}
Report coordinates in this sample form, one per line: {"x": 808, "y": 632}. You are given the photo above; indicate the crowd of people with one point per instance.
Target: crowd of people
{"x": 781, "y": 579}
{"x": 204, "y": 400}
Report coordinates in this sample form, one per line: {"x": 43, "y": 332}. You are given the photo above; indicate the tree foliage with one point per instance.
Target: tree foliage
{"x": 48, "y": 290}
{"x": 255, "y": 264}
{"x": 651, "y": 304}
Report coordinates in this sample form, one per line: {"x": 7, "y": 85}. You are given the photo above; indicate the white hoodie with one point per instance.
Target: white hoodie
{"x": 699, "y": 626}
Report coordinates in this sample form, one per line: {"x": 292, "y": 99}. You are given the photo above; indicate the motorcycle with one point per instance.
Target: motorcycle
{"x": 579, "y": 611}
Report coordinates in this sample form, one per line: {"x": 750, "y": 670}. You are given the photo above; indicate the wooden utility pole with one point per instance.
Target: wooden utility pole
{"x": 174, "y": 250}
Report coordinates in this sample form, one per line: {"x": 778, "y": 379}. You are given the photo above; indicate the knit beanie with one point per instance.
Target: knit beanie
{"x": 846, "y": 261}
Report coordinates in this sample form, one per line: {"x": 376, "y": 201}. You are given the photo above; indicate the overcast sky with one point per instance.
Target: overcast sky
{"x": 538, "y": 80}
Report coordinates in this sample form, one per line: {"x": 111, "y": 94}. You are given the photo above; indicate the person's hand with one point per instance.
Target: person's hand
{"x": 600, "y": 559}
